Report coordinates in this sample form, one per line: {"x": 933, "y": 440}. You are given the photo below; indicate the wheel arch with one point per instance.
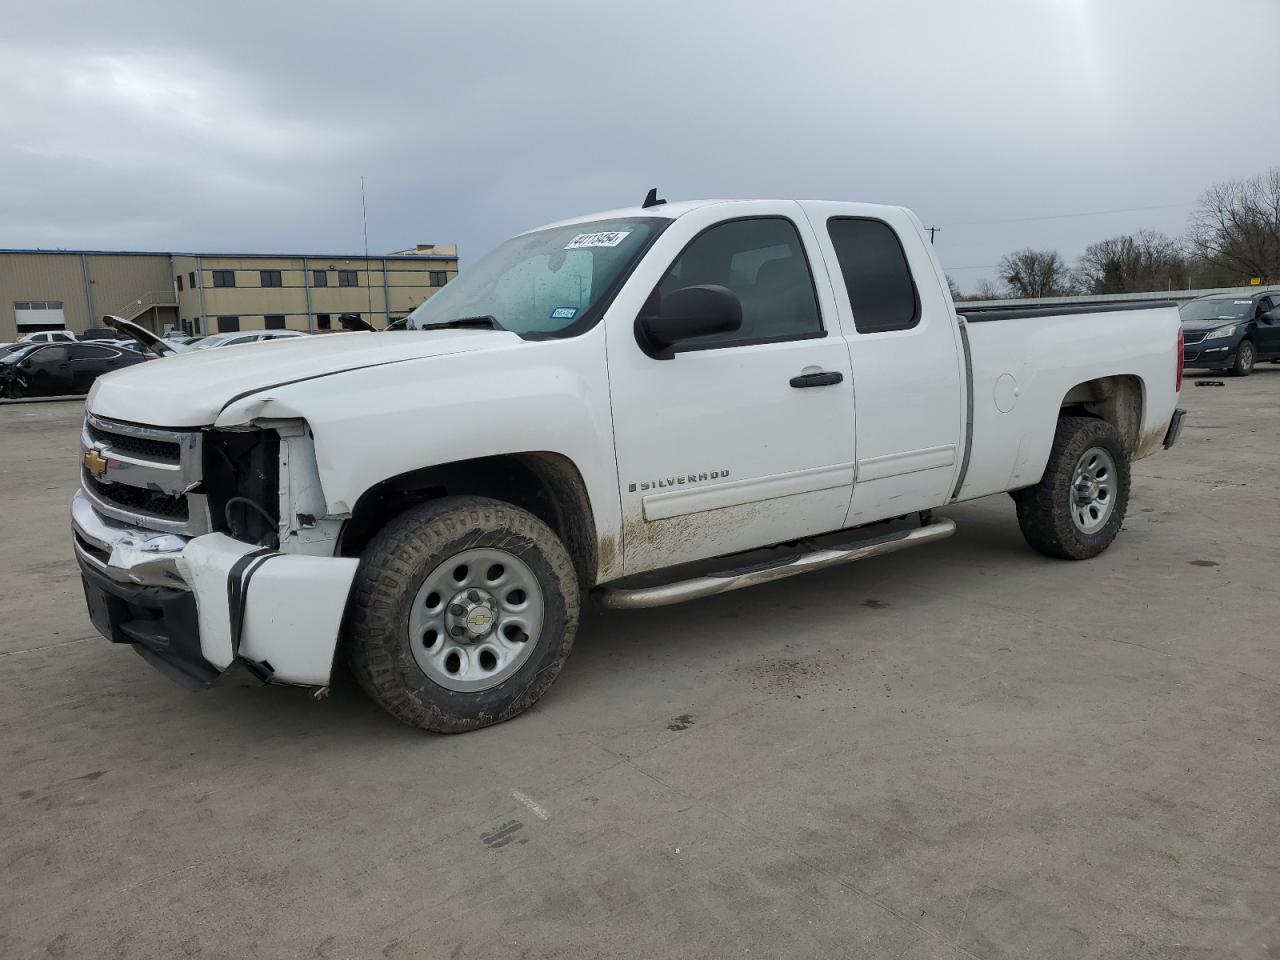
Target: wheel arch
{"x": 549, "y": 485}
{"x": 1119, "y": 400}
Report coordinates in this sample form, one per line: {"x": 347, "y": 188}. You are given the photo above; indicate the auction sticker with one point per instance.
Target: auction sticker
{"x": 608, "y": 239}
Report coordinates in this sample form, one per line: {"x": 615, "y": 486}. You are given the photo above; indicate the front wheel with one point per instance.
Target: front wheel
{"x": 1076, "y": 509}
{"x": 463, "y": 612}
{"x": 1246, "y": 357}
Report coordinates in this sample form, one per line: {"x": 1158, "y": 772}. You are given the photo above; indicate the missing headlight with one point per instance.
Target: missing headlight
{"x": 242, "y": 480}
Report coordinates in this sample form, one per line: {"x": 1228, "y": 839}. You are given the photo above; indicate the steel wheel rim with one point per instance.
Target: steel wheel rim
{"x": 476, "y": 619}
{"x": 1093, "y": 490}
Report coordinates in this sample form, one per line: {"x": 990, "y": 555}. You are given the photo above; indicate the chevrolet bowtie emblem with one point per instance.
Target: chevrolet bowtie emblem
{"x": 95, "y": 463}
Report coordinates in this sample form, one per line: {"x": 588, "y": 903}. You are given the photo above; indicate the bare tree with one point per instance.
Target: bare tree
{"x": 988, "y": 290}
{"x": 1035, "y": 273}
{"x": 1236, "y": 226}
{"x": 1133, "y": 263}
{"x": 954, "y": 288}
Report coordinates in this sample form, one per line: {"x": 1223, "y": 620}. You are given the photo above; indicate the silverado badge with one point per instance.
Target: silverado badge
{"x": 95, "y": 463}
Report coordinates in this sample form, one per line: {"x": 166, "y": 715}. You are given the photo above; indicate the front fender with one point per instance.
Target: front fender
{"x": 373, "y": 424}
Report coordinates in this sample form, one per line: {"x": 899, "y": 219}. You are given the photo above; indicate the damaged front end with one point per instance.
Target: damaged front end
{"x": 206, "y": 548}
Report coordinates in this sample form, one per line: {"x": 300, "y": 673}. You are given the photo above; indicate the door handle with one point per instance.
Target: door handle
{"x": 824, "y": 379}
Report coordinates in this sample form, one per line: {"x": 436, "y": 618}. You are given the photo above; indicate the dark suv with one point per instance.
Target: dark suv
{"x": 1232, "y": 331}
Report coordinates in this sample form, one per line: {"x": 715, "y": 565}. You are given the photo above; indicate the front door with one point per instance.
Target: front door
{"x": 740, "y": 439}
{"x": 50, "y": 372}
{"x": 1267, "y": 329}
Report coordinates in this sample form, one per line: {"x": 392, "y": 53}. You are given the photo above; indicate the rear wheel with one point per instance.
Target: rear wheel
{"x": 463, "y": 613}
{"x": 1246, "y": 357}
{"x": 1076, "y": 509}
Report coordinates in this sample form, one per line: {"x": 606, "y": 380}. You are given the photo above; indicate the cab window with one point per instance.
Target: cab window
{"x": 762, "y": 261}
{"x": 882, "y": 294}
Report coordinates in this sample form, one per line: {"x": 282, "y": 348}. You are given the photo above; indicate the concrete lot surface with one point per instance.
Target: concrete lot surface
{"x": 962, "y": 751}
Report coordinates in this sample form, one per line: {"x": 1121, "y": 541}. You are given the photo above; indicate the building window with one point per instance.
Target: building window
{"x": 348, "y": 278}
{"x": 228, "y": 324}
{"x": 269, "y": 278}
{"x": 323, "y": 322}
{"x": 439, "y": 278}
{"x": 224, "y": 278}
{"x": 191, "y": 279}
{"x": 179, "y": 279}
{"x": 319, "y": 278}
{"x": 274, "y": 321}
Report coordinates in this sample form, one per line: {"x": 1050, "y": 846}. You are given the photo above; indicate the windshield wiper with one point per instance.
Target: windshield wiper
{"x": 486, "y": 321}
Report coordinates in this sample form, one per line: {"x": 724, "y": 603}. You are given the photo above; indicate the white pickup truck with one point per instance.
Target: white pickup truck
{"x": 653, "y": 404}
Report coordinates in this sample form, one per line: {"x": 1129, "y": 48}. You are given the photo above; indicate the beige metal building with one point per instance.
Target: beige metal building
{"x": 208, "y": 293}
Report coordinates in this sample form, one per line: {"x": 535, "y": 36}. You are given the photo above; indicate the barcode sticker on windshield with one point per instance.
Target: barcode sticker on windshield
{"x": 609, "y": 239}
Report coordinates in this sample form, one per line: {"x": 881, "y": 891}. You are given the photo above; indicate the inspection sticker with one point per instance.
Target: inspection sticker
{"x": 608, "y": 239}
{"x": 564, "y": 313}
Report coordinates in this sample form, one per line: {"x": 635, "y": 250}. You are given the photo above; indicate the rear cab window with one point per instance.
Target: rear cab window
{"x": 882, "y": 293}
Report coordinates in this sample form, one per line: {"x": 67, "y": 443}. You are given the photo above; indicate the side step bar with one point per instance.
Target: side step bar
{"x": 723, "y": 582}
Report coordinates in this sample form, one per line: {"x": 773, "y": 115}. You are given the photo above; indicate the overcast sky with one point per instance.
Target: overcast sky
{"x": 246, "y": 127}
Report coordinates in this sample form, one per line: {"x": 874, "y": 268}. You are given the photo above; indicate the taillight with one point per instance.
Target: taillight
{"x": 1181, "y": 361}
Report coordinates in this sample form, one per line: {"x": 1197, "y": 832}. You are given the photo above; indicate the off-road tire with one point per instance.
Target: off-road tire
{"x": 392, "y": 569}
{"x": 1044, "y": 511}
{"x": 1246, "y": 359}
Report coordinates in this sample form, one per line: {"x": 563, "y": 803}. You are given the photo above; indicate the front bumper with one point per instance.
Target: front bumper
{"x": 1207, "y": 354}
{"x": 195, "y": 606}
{"x": 160, "y": 622}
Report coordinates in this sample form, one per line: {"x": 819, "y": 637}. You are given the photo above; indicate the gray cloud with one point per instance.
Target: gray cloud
{"x": 147, "y": 125}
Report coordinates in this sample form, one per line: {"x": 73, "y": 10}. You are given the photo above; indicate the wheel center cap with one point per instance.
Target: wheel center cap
{"x": 471, "y": 615}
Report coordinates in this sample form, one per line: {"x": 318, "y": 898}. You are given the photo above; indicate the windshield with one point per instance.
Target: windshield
{"x": 1199, "y": 310}
{"x": 21, "y": 353}
{"x": 544, "y": 282}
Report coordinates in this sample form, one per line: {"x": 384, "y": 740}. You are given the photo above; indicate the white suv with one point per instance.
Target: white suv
{"x": 48, "y": 336}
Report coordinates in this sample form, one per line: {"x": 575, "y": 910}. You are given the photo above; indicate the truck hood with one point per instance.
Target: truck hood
{"x": 189, "y": 389}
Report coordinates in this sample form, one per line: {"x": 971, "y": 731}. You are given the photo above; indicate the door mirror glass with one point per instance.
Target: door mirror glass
{"x": 1273, "y": 315}
{"x": 697, "y": 311}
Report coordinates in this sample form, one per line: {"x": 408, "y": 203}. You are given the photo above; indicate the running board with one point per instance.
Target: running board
{"x": 723, "y": 582}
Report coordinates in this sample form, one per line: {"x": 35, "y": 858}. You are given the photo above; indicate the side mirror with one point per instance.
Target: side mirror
{"x": 1272, "y": 315}
{"x": 686, "y": 313}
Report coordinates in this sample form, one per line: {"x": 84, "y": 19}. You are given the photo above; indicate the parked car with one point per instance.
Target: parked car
{"x": 99, "y": 333}
{"x": 48, "y": 336}
{"x": 608, "y": 397}
{"x": 169, "y": 346}
{"x": 54, "y": 369}
{"x": 1232, "y": 332}
{"x": 216, "y": 340}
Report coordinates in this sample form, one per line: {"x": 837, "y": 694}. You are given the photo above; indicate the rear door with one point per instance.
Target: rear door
{"x": 88, "y": 362}
{"x": 740, "y": 439}
{"x": 906, "y": 355}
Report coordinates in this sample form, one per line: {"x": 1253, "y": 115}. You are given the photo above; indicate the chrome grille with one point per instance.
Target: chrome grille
{"x": 151, "y": 476}
{"x": 136, "y": 499}
{"x": 162, "y": 451}
{"x": 1192, "y": 337}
